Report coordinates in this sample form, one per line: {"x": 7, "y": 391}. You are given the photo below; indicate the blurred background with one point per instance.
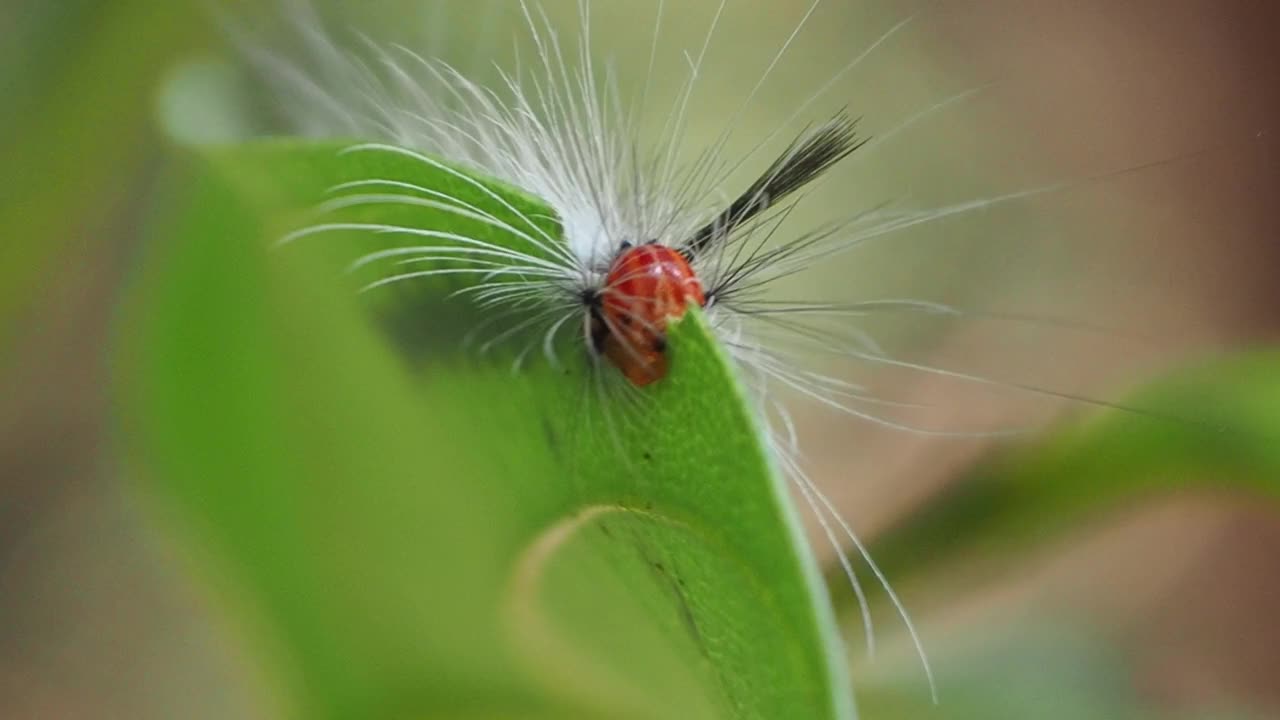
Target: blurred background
{"x": 1175, "y": 593}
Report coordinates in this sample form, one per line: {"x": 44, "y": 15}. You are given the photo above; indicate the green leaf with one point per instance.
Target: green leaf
{"x": 75, "y": 132}
{"x": 405, "y": 526}
{"x": 1215, "y": 427}
{"x": 1033, "y": 665}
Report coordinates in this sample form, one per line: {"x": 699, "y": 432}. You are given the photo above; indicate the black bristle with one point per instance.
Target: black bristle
{"x": 812, "y": 154}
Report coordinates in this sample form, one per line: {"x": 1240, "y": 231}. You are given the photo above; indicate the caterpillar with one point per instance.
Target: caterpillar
{"x": 648, "y": 229}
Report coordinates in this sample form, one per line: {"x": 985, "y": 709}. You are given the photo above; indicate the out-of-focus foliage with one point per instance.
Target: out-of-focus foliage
{"x": 76, "y": 129}
{"x": 1215, "y": 427}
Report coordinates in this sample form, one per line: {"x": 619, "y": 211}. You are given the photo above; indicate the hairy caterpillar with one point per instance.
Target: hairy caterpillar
{"x": 563, "y": 129}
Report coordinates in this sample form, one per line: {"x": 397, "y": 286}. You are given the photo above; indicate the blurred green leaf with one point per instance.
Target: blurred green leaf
{"x": 77, "y": 129}
{"x": 1030, "y": 667}
{"x": 412, "y": 529}
{"x": 1215, "y": 427}
{"x": 1012, "y": 671}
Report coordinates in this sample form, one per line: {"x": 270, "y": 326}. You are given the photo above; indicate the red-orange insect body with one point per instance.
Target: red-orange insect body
{"x": 647, "y": 286}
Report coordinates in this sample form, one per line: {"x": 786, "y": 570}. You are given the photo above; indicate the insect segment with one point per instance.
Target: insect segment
{"x": 647, "y": 286}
